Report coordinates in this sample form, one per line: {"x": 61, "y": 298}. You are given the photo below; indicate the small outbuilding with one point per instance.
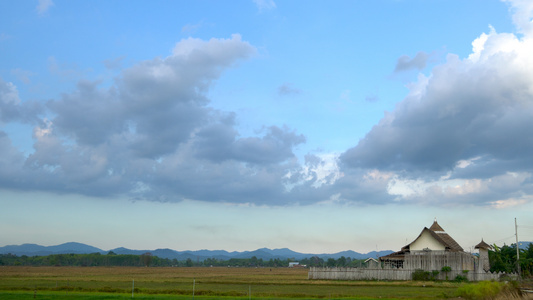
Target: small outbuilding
{"x": 294, "y": 264}
{"x": 484, "y": 263}
{"x": 371, "y": 263}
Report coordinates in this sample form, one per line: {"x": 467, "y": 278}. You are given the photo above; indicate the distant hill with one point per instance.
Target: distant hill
{"x": 263, "y": 253}
{"x": 38, "y": 250}
{"x": 524, "y": 245}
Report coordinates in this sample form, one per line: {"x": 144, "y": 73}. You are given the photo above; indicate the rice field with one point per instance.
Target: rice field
{"x": 200, "y": 283}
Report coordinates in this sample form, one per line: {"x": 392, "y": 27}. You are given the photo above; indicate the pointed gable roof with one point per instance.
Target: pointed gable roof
{"x": 436, "y": 227}
{"x": 449, "y": 242}
{"x": 441, "y": 236}
{"x": 483, "y": 245}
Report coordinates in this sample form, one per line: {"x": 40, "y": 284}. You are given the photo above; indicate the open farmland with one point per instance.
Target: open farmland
{"x": 209, "y": 283}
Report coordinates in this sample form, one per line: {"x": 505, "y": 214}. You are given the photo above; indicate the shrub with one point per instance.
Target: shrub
{"x": 460, "y": 278}
{"x": 421, "y": 275}
{"x": 487, "y": 290}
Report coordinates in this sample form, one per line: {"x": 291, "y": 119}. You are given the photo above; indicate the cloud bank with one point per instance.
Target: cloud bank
{"x": 150, "y": 136}
{"x": 477, "y": 110}
{"x": 460, "y": 136}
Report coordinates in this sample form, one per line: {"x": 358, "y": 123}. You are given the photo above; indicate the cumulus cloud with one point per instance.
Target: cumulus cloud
{"x": 477, "y": 106}
{"x": 477, "y": 110}
{"x": 522, "y": 12}
{"x": 13, "y": 109}
{"x": 461, "y": 135}
{"x": 152, "y": 135}
{"x": 220, "y": 142}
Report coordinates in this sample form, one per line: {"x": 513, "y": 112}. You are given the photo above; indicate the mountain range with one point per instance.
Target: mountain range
{"x": 263, "y": 253}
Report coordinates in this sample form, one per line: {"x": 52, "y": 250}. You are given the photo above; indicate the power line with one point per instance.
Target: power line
{"x": 525, "y": 226}
{"x": 504, "y": 239}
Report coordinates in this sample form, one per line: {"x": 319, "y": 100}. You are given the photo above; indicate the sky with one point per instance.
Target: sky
{"x": 319, "y": 126}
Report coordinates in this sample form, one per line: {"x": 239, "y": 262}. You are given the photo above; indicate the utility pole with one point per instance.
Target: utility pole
{"x": 517, "y": 248}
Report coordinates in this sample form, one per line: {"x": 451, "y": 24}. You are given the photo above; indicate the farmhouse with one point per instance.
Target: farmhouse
{"x": 431, "y": 250}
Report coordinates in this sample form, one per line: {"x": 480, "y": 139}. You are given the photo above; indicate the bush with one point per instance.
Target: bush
{"x": 421, "y": 275}
{"x": 460, "y": 278}
{"x": 487, "y": 290}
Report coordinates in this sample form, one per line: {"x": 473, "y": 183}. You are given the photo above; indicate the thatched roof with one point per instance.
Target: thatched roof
{"x": 436, "y": 227}
{"x": 394, "y": 256}
{"x": 483, "y": 245}
{"x": 440, "y": 235}
{"x": 449, "y": 242}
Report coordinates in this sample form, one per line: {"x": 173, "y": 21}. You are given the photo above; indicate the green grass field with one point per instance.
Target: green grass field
{"x": 209, "y": 283}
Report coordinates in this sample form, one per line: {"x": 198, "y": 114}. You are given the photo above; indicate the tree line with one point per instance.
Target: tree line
{"x": 85, "y": 260}
{"x": 502, "y": 259}
{"x": 129, "y": 260}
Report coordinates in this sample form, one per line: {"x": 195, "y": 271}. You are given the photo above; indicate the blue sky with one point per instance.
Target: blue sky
{"x": 320, "y": 126}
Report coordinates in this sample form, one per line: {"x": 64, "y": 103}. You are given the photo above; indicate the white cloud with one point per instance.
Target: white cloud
{"x": 467, "y": 162}
{"x": 8, "y": 94}
{"x": 461, "y": 134}
{"x": 475, "y": 191}
{"x": 12, "y": 109}
{"x": 478, "y": 106}
{"x": 321, "y": 169}
{"x": 522, "y": 11}
{"x": 44, "y": 6}
{"x": 152, "y": 135}
{"x": 191, "y": 28}
{"x": 265, "y": 4}
{"x": 501, "y": 204}
{"x": 40, "y": 132}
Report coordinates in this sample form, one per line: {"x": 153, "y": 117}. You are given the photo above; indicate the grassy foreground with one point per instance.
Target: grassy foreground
{"x": 209, "y": 283}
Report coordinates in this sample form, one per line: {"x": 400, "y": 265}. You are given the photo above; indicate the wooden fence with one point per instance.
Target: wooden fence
{"x": 394, "y": 274}
{"x": 435, "y": 260}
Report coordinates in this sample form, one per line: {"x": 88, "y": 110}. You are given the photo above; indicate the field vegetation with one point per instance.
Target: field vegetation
{"x": 208, "y": 283}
